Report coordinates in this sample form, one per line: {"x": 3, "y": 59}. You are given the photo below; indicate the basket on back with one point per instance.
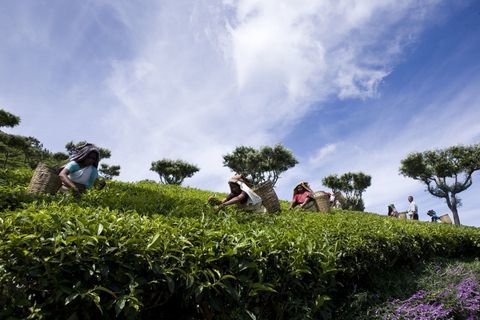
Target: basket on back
{"x": 322, "y": 200}
{"x": 44, "y": 180}
{"x": 269, "y": 197}
{"x": 446, "y": 219}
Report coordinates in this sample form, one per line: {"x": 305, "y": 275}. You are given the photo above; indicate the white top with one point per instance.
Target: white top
{"x": 81, "y": 176}
{"x": 412, "y": 208}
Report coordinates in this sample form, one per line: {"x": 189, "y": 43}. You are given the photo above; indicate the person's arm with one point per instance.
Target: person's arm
{"x": 293, "y": 204}
{"x": 234, "y": 199}
{"x": 66, "y": 180}
{"x": 307, "y": 200}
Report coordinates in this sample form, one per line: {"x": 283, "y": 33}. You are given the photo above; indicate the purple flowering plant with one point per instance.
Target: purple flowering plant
{"x": 460, "y": 300}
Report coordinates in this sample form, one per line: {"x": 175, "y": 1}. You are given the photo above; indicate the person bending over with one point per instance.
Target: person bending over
{"x": 302, "y": 194}
{"x": 81, "y": 172}
{"x": 242, "y": 196}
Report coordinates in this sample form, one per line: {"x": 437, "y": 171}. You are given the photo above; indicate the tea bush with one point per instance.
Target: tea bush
{"x": 144, "y": 250}
{"x": 65, "y": 261}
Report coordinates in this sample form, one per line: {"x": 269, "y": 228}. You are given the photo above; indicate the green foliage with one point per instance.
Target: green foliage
{"x": 8, "y": 120}
{"x": 261, "y": 165}
{"x": 108, "y": 172}
{"x": 353, "y": 185}
{"x": 445, "y": 172}
{"x": 146, "y": 250}
{"x": 173, "y": 171}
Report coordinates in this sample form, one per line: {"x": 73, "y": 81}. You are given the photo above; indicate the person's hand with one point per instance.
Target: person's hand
{"x": 76, "y": 192}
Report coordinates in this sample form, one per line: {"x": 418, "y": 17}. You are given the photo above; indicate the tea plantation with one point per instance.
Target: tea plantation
{"x": 149, "y": 251}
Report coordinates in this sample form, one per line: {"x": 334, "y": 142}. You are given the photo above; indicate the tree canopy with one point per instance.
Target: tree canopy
{"x": 8, "y": 120}
{"x": 352, "y": 184}
{"x": 445, "y": 172}
{"x": 72, "y": 147}
{"x": 108, "y": 172}
{"x": 266, "y": 163}
{"x": 173, "y": 171}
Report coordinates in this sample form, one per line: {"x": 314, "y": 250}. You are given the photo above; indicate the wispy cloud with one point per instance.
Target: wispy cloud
{"x": 321, "y": 154}
{"x": 211, "y": 76}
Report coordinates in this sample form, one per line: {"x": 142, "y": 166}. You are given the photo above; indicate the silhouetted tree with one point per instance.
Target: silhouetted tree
{"x": 173, "y": 171}
{"x": 108, "y": 172}
{"x": 8, "y": 120}
{"x": 352, "y": 185}
{"x": 260, "y": 165}
{"x": 446, "y": 172}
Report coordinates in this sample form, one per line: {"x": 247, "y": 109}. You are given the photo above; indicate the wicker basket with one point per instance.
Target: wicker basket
{"x": 310, "y": 206}
{"x": 446, "y": 219}
{"x": 402, "y": 215}
{"x": 322, "y": 199}
{"x": 44, "y": 180}
{"x": 269, "y": 197}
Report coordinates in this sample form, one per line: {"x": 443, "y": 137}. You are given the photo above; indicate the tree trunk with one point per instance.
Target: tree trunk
{"x": 453, "y": 208}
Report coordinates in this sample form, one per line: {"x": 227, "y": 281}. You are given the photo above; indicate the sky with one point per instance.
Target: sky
{"x": 345, "y": 85}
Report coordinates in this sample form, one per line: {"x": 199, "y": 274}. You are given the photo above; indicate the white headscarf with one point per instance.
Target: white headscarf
{"x": 253, "y": 198}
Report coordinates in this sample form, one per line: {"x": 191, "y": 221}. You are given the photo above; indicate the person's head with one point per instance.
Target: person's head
{"x": 91, "y": 159}
{"x": 410, "y": 198}
{"x": 301, "y": 188}
{"x": 234, "y": 187}
{"x": 84, "y": 152}
{"x": 390, "y": 208}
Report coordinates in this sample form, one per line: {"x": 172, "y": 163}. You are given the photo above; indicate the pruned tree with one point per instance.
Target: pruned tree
{"x": 8, "y": 120}
{"x": 59, "y": 157}
{"x": 266, "y": 163}
{"x": 352, "y": 185}
{"x": 445, "y": 172}
{"x": 108, "y": 172}
{"x": 173, "y": 171}
{"x": 72, "y": 148}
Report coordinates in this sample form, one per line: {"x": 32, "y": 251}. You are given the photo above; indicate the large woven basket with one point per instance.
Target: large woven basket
{"x": 310, "y": 206}
{"x": 322, "y": 199}
{"x": 44, "y": 180}
{"x": 402, "y": 215}
{"x": 446, "y": 219}
{"x": 269, "y": 197}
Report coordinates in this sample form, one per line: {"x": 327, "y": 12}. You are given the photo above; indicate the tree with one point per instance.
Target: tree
{"x": 72, "y": 148}
{"x": 446, "y": 172}
{"x": 261, "y": 165}
{"x": 173, "y": 171}
{"x": 59, "y": 157}
{"x": 12, "y": 145}
{"x": 108, "y": 172}
{"x": 8, "y": 120}
{"x": 353, "y": 185}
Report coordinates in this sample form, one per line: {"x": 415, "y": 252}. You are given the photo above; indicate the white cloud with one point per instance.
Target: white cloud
{"x": 211, "y": 76}
{"x": 321, "y": 154}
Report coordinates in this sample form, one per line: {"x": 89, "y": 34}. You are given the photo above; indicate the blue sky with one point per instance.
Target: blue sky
{"x": 345, "y": 85}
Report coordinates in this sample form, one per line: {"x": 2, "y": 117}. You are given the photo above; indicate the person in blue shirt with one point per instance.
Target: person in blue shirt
{"x": 81, "y": 172}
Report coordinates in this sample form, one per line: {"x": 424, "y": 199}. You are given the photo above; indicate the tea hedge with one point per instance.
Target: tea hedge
{"x": 64, "y": 261}
{"x": 149, "y": 251}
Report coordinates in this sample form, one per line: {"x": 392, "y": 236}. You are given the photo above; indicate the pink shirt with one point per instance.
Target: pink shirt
{"x": 301, "y": 197}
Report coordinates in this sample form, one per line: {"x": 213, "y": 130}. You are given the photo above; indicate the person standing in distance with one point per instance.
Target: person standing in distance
{"x": 412, "y": 209}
